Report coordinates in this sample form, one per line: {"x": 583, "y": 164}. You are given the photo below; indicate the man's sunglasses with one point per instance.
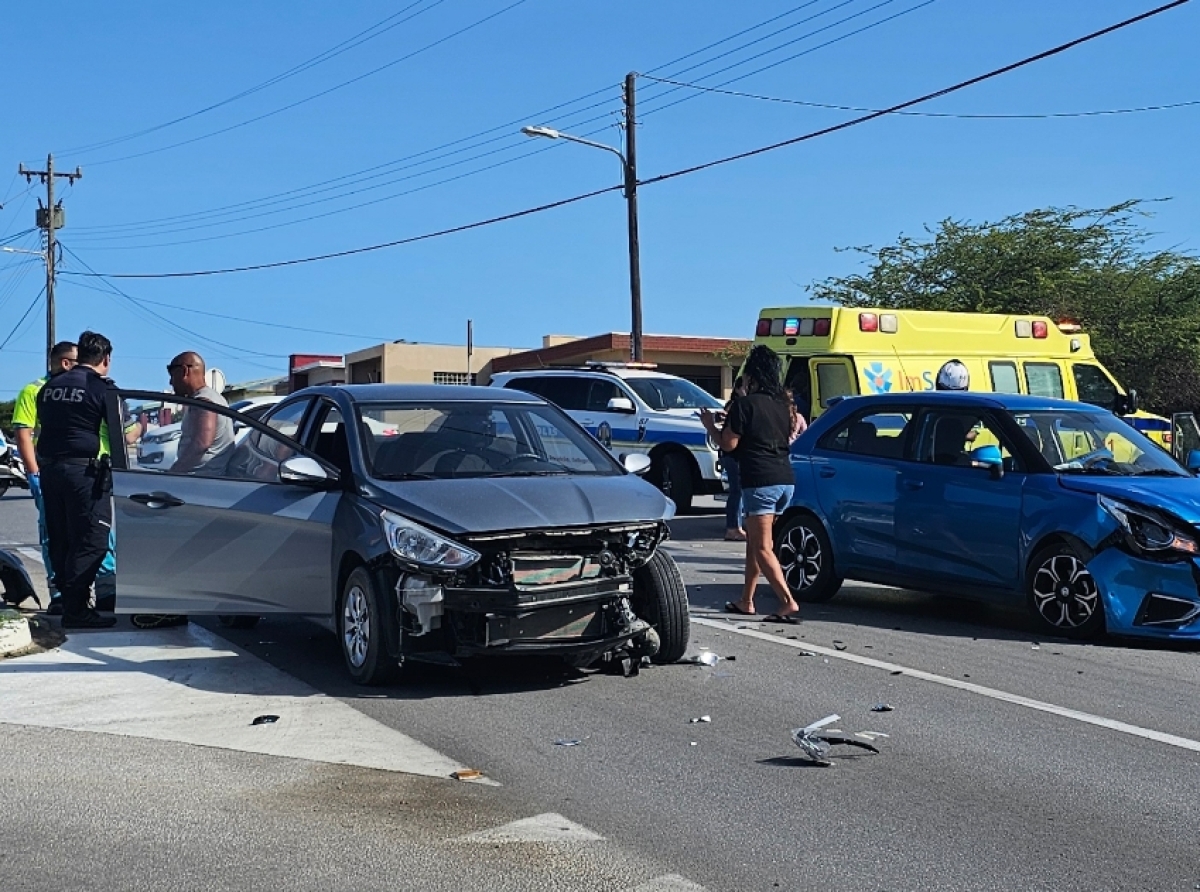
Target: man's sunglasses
{"x": 180, "y": 365}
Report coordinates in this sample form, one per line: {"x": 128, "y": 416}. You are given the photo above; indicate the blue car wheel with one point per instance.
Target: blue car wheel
{"x": 806, "y": 557}
{"x": 1063, "y": 593}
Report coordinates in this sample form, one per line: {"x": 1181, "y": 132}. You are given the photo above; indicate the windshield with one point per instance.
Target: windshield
{"x": 672, "y": 393}
{"x": 438, "y": 441}
{"x": 1099, "y": 443}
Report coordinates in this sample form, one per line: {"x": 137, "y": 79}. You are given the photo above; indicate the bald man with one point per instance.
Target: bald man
{"x": 206, "y": 437}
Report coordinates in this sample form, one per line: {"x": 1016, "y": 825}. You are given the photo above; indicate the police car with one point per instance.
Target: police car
{"x": 635, "y": 409}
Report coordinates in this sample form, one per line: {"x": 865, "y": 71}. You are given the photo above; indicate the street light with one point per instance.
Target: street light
{"x": 629, "y": 172}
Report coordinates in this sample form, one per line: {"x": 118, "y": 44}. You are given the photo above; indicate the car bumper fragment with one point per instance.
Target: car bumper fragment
{"x": 1148, "y": 598}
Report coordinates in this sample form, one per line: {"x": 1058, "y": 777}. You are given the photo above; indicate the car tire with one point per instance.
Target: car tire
{"x": 806, "y": 557}
{"x": 660, "y": 598}
{"x": 672, "y": 473}
{"x": 1063, "y": 594}
{"x": 360, "y": 631}
{"x": 231, "y": 621}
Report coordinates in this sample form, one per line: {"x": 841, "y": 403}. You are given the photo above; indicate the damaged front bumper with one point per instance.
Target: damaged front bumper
{"x": 1147, "y": 597}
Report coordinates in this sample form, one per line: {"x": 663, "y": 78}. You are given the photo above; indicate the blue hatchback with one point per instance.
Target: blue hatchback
{"x": 1006, "y": 498}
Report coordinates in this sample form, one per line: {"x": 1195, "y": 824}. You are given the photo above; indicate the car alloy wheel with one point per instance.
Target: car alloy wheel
{"x": 806, "y": 558}
{"x": 356, "y": 626}
{"x": 800, "y": 556}
{"x": 1064, "y": 594}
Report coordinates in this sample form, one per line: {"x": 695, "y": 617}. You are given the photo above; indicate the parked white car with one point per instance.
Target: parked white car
{"x": 637, "y": 410}
{"x": 159, "y": 446}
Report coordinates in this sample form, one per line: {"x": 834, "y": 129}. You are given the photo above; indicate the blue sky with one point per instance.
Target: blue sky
{"x": 716, "y": 246}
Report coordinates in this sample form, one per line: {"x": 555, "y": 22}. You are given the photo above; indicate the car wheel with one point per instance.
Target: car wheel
{"x": 238, "y": 622}
{"x": 804, "y": 553}
{"x": 660, "y": 598}
{"x": 361, "y": 632}
{"x": 672, "y": 473}
{"x": 1063, "y": 594}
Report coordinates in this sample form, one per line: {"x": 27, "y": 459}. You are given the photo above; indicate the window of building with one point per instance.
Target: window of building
{"x": 452, "y": 378}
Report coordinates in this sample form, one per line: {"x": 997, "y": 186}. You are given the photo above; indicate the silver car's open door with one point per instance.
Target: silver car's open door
{"x": 218, "y": 531}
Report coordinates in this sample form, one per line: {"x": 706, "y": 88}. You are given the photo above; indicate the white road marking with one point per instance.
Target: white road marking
{"x": 671, "y": 882}
{"x": 31, "y": 554}
{"x": 548, "y": 827}
{"x": 187, "y": 685}
{"x": 1185, "y": 743}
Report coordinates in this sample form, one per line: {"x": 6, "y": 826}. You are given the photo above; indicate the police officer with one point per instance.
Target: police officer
{"x": 76, "y": 485}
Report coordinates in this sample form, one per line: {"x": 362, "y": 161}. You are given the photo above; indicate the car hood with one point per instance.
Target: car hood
{"x": 1178, "y": 495}
{"x": 480, "y": 505}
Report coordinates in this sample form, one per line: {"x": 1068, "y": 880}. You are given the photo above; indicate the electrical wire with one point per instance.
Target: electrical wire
{"x": 961, "y": 116}
{"x": 961, "y": 85}
{"x": 318, "y": 95}
{"x": 504, "y": 129}
{"x": 24, "y": 316}
{"x": 334, "y": 51}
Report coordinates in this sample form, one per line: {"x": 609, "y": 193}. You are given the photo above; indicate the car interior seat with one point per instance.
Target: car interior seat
{"x": 949, "y": 438}
{"x": 862, "y": 438}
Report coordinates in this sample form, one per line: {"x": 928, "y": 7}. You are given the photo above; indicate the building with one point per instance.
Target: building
{"x": 311, "y": 369}
{"x": 402, "y": 362}
{"x": 707, "y": 362}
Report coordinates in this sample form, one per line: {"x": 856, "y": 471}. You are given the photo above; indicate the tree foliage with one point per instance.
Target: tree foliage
{"x": 1141, "y": 307}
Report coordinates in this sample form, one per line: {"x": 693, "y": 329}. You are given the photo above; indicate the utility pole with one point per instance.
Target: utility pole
{"x": 49, "y": 218}
{"x": 635, "y": 260}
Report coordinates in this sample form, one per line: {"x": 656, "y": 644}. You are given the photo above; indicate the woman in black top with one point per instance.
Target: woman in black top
{"x": 758, "y": 432}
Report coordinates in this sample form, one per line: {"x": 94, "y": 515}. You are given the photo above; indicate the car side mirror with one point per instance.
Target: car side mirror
{"x": 1193, "y": 460}
{"x": 635, "y": 462}
{"x": 305, "y": 471}
{"x": 621, "y": 404}
{"x": 989, "y": 457}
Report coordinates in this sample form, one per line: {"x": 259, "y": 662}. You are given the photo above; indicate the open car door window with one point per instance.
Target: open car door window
{"x": 204, "y": 523}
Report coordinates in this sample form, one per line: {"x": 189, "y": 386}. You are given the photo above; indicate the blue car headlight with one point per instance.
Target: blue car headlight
{"x": 1151, "y": 532}
{"x": 415, "y": 544}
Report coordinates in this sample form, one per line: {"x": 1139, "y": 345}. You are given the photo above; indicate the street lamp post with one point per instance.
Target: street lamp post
{"x": 629, "y": 175}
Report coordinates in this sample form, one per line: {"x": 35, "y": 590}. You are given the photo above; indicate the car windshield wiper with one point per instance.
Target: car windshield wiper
{"x": 1159, "y": 472}
{"x": 530, "y": 474}
{"x": 415, "y": 475}
{"x": 1094, "y": 469}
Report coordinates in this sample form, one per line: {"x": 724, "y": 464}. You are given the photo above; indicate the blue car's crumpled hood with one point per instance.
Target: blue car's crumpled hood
{"x": 1178, "y": 495}
{"x": 480, "y": 505}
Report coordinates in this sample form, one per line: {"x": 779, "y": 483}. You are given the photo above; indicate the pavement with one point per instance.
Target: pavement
{"x": 1012, "y": 761}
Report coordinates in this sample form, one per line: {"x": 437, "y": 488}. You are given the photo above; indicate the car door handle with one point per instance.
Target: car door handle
{"x": 913, "y": 484}
{"x": 156, "y": 500}
{"x": 827, "y": 471}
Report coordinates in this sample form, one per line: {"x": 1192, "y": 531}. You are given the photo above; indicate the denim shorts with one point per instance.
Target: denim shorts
{"x": 760, "y": 500}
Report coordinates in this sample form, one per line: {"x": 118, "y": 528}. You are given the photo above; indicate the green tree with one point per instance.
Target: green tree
{"x": 1141, "y": 307}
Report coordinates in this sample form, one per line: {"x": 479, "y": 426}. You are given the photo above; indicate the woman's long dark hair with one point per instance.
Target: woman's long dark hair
{"x": 763, "y": 372}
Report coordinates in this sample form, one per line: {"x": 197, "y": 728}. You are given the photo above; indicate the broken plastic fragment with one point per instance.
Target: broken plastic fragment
{"x": 567, "y": 741}
{"x": 265, "y": 720}
{"x": 839, "y": 645}
{"x": 703, "y": 718}
{"x": 881, "y": 707}
{"x": 807, "y": 653}
{"x": 465, "y": 774}
{"x": 816, "y": 739}
{"x": 707, "y": 658}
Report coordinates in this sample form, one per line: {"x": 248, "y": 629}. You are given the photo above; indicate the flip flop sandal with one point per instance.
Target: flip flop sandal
{"x": 731, "y": 607}
{"x": 789, "y": 619}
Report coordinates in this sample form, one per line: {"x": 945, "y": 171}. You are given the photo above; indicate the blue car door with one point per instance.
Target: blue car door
{"x": 856, "y": 469}
{"x": 958, "y": 520}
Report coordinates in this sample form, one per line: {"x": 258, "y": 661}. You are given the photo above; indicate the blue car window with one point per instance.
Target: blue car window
{"x": 880, "y": 434}
{"x": 964, "y": 439}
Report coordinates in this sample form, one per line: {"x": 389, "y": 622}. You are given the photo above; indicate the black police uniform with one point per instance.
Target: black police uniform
{"x": 76, "y": 487}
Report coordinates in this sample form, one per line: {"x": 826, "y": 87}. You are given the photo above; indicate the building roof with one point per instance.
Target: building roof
{"x": 613, "y": 340}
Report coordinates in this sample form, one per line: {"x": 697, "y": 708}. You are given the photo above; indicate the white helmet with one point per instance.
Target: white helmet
{"x": 953, "y": 376}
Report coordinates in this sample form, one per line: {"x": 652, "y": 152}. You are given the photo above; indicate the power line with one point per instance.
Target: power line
{"x": 334, "y": 51}
{"x": 399, "y": 164}
{"x": 668, "y": 176}
{"x": 24, "y": 316}
{"x": 972, "y": 117}
{"x": 318, "y": 95}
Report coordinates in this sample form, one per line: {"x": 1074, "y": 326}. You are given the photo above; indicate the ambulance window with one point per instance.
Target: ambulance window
{"x": 1093, "y": 386}
{"x": 1004, "y": 377}
{"x": 1044, "y": 379}
{"x": 833, "y": 379}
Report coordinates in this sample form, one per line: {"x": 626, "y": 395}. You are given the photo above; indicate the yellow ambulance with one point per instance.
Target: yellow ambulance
{"x": 840, "y": 351}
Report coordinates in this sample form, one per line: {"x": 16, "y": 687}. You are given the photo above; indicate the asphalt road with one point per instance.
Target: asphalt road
{"x": 1012, "y": 762}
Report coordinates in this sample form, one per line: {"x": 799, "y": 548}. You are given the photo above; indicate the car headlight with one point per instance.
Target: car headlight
{"x": 414, "y": 543}
{"x": 1149, "y": 530}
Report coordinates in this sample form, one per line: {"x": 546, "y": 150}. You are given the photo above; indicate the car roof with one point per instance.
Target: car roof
{"x": 437, "y": 393}
{"x": 617, "y": 371}
{"x": 1013, "y": 402}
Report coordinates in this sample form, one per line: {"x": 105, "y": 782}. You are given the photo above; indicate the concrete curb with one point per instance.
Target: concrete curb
{"x": 14, "y": 632}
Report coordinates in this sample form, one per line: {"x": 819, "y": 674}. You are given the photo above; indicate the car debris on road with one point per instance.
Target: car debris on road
{"x": 815, "y": 740}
